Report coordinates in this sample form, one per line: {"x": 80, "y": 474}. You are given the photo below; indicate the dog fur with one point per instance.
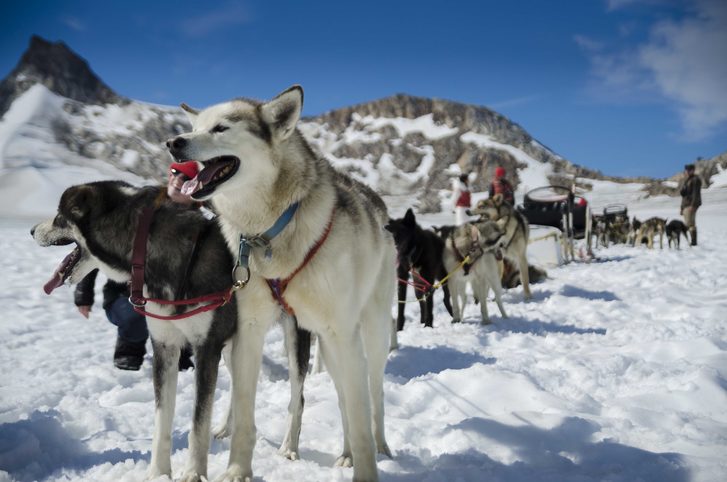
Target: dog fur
{"x": 650, "y": 228}
{"x": 419, "y": 250}
{"x": 674, "y": 230}
{"x": 479, "y": 241}
{"x": 516, "y": 233}
{"x": 101, "y": 219}
{"x": 255, "y": 165}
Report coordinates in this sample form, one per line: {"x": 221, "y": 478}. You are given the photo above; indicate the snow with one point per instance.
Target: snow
{"x": 614, "y": 371}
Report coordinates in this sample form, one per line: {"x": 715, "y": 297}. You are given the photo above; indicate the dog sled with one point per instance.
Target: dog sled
{"x": 557, "y": 217}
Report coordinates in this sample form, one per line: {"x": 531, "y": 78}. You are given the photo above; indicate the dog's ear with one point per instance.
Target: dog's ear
{"x": 79, "y": 200}
{"x": 390, "y": 226}
{"x": 409, "y": 217}
{"x": 282, "y": 113}
{"x": 497, "y": 199}
{"x": 191, "y": 113}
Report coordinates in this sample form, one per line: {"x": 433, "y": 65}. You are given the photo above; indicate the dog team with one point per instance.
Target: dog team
{"x": 273, "y": 254}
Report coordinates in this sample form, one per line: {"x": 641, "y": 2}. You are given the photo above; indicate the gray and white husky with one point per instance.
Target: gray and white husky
{"x": 517, "y": 233}
{"x": 331, "y": 265}
{"x": 101, "y": 218}
{"x": 480, "y": 241}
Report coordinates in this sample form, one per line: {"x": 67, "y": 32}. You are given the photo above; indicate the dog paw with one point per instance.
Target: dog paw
{"x": 192, "y": 476}
{"x": 385, "y": 450}
{"x": 344, "y": 460}
{"x": 485, "y": 321}
{"x": 234, "y": 474}
{"x": 288, "y": 453}
{"x": 158, "y": 475}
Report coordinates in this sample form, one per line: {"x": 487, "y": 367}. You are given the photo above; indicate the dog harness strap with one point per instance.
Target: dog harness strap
{"x": 138, "y": 257}
{"x": 263, "y": 240}
{"x": 459, "y": 256}
{"x": 278, "y": 286}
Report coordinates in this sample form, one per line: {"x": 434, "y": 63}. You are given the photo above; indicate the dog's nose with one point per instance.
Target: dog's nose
{"x": 32, "y": 231}
{"x": 176, "y": 143}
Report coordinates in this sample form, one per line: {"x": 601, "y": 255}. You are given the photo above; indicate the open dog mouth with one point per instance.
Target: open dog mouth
{"x": 64, "y": 269}
{"x": 216, "y": 171}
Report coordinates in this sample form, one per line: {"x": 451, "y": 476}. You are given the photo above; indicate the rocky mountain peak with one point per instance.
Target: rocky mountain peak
{"x": 61, "y": 70}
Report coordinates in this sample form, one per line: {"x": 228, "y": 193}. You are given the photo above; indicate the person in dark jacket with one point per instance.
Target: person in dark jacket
{"x": 500, "y": 185}
{"x": 132, "y": 332}
{"x": 691, "y": 200}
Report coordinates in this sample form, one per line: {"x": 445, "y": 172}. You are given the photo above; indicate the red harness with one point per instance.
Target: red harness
{"x": 278, "y": 286}
{"x": 138, "y": 263}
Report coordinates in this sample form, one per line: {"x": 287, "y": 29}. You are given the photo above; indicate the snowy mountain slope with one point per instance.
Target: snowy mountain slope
{"x": 401, "y": 145}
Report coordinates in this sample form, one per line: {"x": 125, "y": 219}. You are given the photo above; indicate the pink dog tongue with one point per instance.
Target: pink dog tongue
{"x": 57, "y": 279}
{"x": 59, "y": 273}
{"x": 203, "y": 178}
{"x": 190, "y": 187}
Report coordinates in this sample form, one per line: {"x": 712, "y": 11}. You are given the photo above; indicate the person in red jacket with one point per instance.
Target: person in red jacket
{"x": 500, "y": 185}
{"x": 462, "y": 199}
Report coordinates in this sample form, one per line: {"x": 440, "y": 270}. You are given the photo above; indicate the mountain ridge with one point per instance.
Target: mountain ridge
{"x": 399, "y": 143}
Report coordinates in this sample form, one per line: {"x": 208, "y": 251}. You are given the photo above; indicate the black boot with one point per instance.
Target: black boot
{"x": 185, "y": 359}
{"x": 693, "y": 233}
{"x": 129, "y": 355}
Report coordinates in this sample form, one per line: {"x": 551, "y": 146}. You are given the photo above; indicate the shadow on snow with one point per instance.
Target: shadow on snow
{"x": 563, "y": 453}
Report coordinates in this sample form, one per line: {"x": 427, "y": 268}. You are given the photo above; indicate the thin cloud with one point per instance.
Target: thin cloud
{"x": 682, "y": 62}
{"x": 73, "y": 22}
{"x": 688, "y": 62}
{"x": 221, "y": 18}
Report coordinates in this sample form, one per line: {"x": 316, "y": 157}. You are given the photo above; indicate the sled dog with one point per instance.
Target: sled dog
{"x": 650, "y": 228}
{"x": 315, "y": 240}
{"x": 480, "y": 241}
{"x": 674, "y": 230}
{"x": 516, "y": 233}
{"x": 420, "y": 251}
{"x": 101, "y": 218}
{"x": 634, "y": 231}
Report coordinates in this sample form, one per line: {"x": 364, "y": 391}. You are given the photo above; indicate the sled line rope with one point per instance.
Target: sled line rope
{"x": 431, "y": 288}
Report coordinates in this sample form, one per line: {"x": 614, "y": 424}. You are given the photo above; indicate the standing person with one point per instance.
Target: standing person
{"x": 462, "y": 199}
{"x": 691, "y": 200}
{"x": 132, "y": 332}
{"x": 500, "y": 185}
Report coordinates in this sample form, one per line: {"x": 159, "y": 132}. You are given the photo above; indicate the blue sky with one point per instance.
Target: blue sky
{"x": 629, "y": 87}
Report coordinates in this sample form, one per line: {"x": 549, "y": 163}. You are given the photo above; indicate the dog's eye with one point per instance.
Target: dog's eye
{"x": 218, "y": 128}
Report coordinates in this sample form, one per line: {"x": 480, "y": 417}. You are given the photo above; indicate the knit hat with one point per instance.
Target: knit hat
{"x": 189, "y": 168}
{"x": 499, "y": 172}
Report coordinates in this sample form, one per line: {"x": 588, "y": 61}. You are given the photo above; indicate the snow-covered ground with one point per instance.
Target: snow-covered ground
{"x": 616, "y": 370}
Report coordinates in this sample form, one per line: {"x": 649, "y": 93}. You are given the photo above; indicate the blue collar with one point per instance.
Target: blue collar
{"x": 263, "y": 240}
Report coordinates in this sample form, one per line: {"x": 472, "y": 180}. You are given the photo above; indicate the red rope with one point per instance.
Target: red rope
{"x": 216, "y": 300}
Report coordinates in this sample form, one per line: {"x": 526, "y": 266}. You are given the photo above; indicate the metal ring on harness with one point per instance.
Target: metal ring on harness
{"x": 238, "y": 284}
{"x": 137, "y": 303}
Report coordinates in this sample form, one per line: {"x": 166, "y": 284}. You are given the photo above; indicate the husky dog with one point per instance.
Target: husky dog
{"x": 480, "y": 241}
{"x": 315, "y": 238}
{"x": 516, "y": 233}
{"x": 650, "y": 228}
{"x": 599, "y": 225}
{"x": 101, "y": 219}
{"x": 674, "y": 229}
{"x": 633, "y": 231}
{"x": 419, "y": 250}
